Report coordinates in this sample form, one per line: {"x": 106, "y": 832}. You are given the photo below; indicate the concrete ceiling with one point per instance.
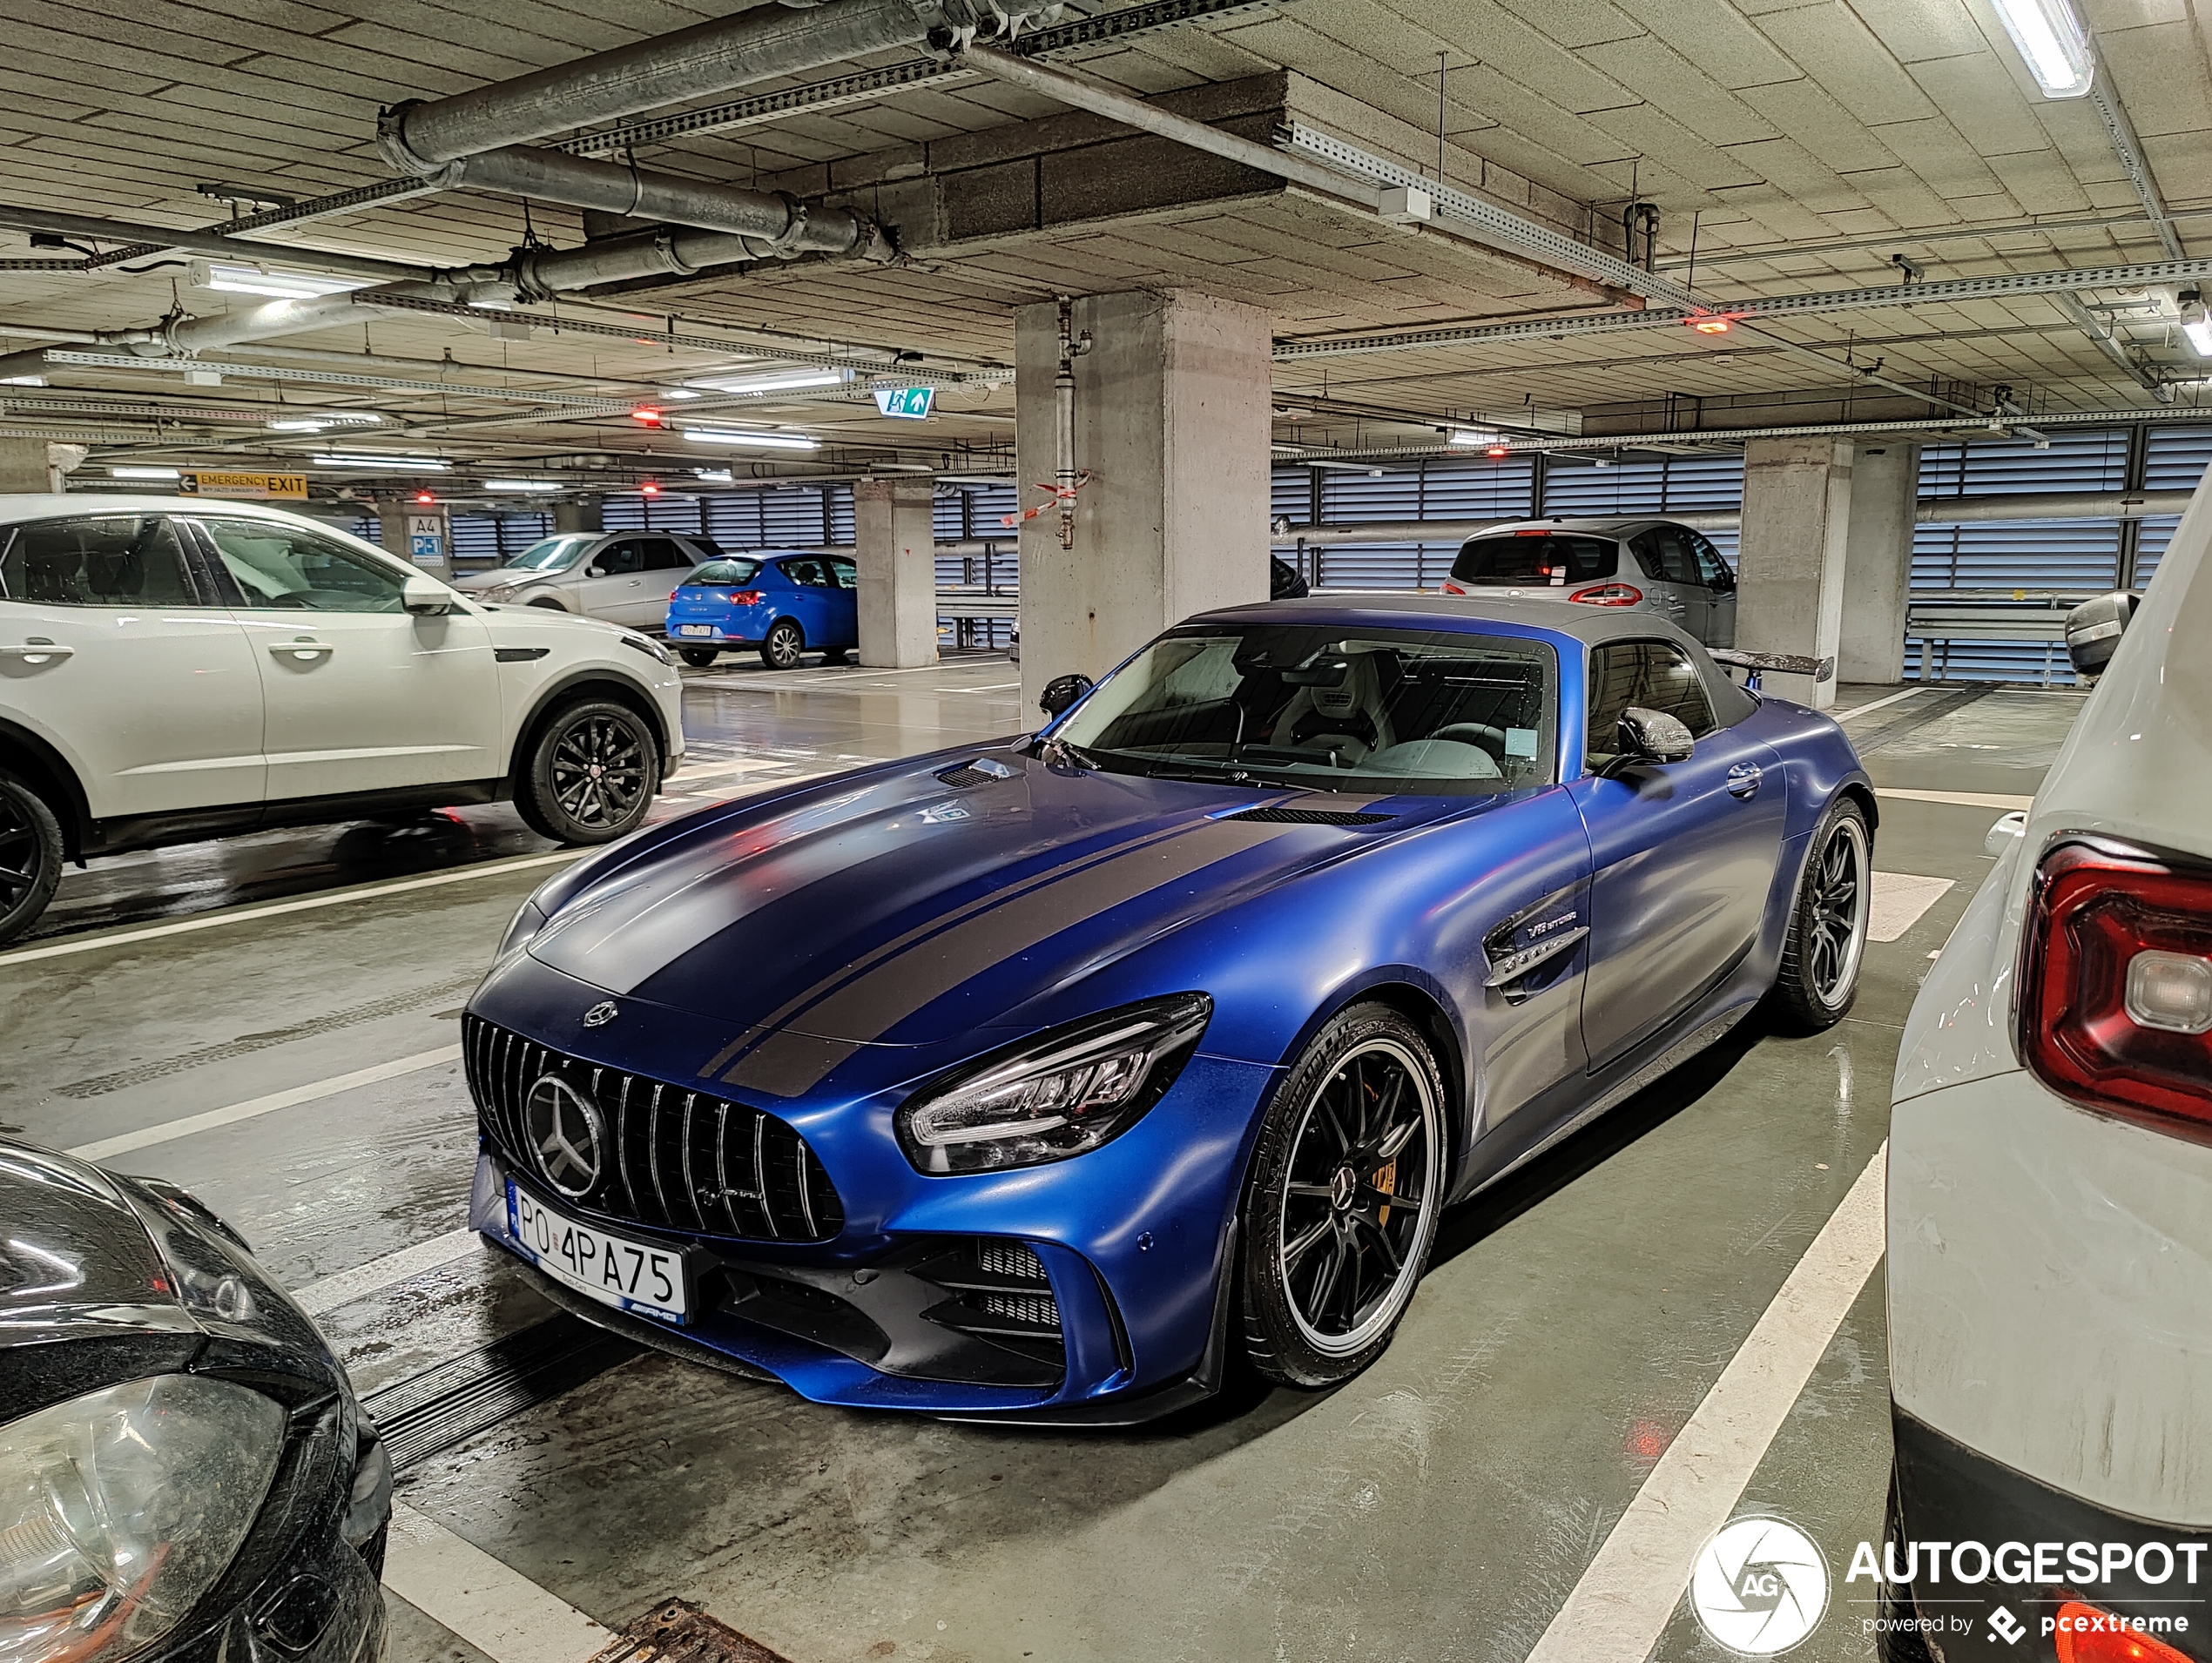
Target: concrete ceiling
{"x": 1799, "y": 145}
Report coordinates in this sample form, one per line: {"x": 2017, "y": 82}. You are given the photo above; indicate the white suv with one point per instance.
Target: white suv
{"x": 622, "y": 577}
{"x": 178, "y": 669}
{"x": 2050, "y": 1183}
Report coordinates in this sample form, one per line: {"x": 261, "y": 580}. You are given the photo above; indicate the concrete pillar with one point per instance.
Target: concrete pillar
{"x": 1878, "y": 561}
{"x": 896, "y": 551}
{"x": 37, "y": 467}
{"x": 1790, "y": 560}
{"x": 583, "y": 515}
{"x": 417, "y": 532}
{"x": 1172, "y": 424}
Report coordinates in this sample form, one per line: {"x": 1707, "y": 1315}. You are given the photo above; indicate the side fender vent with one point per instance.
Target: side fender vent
{"x": 1309, "y": 817}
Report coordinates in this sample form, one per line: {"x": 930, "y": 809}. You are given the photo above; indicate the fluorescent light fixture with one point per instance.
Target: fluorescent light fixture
{"x": 143, "y": 473}
{"x": 714, "y": 475}
{"x": 678, "y": 393}
{"x": 1472, "y": 438}
{"x": 2052, "y": 43}
{"x": 390, "y": 464}
{"x": 523, "y": 486}
{"x": 750, "y": 441}
{"x": 321, "y": 423}
{"x": 781, "y": 381}
{"x": 2196, "y": 324}
{"x": 227, "y": 278}
{"x": 23, "y": 380}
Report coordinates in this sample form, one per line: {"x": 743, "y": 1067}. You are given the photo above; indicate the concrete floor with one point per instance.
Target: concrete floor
{"x": 1442, "y": 1505}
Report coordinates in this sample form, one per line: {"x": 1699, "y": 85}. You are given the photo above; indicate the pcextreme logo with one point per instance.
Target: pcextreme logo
{"x": 1758, "y": 1585}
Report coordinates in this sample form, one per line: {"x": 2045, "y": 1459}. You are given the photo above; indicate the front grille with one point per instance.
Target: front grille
{"x": 1309, "y": 817}
{"x": 681, "y": 1159}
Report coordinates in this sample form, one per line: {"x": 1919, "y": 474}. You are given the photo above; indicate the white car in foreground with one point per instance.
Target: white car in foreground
{"x": 2050, "y": 1189}
{"x": 176, "y": 670}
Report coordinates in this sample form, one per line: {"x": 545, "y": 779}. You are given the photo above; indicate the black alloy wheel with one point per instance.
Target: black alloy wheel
{"x": 782, "y": 644}
{"x": 31, "y": 856}
{"x": 1342, "y": 1207}
{"x": 591, "y": 774}
{"x": 699, "y": 657}
{"x": 1827, "y": 938}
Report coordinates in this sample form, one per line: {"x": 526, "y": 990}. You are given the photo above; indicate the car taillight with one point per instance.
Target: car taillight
{"x": 2116, "y": 986}
{"x": 1608, "y": 594}
{"x": 745, "y": 597}
{"x": 1450, "y": 588}
{"x": 2088, "y": 1635}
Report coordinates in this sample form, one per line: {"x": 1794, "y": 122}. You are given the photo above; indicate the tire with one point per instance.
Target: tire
{"x": 699, "y": 657}
{"x": 559, "y": 796}
{"x": 31, "y": 856}
{"x": 780, "y": 648}
{"x": 1826, "y": 943}
{"x": 548, "y": 603}
{"x": 1325, "y": 1269}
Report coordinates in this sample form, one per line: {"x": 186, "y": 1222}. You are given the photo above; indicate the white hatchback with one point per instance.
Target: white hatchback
{"x": 2050, "y": 1183}
{"x": 622, "y": 577}
{"x": 178, "y": 669}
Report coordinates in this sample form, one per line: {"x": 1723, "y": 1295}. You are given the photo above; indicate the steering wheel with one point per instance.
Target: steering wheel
{"x": 1475, "y": 733}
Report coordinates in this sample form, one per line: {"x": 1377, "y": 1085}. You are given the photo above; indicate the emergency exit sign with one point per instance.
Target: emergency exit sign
{"x": 912, "y": 402}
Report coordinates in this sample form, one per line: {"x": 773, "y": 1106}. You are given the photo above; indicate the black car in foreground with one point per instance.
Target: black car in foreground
{"x": 185, "y": 1474}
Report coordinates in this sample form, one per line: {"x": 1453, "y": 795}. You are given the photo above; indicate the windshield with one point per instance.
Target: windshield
{"x": 550, "y": 554}
{"x": 723, "y": 574}
{"x": 1536, "y": 558}
{"x": 1380, "y": 711}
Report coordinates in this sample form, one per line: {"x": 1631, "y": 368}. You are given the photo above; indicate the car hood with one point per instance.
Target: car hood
{"x": 936, "y": 897}
{"x": 498, "y": 577}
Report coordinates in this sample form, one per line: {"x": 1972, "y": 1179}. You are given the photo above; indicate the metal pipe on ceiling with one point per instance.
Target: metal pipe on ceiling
{"x": 696, "y": 63}
{"x": 185, "y": 337}
{"x": 214, "y": 242}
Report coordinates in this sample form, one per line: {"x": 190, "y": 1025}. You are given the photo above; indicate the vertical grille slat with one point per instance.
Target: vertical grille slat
{"x": 771, "y": 1186}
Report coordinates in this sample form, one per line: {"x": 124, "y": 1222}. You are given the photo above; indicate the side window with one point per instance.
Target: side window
{"x": 620, "y": 559}
{"x": 1654, "y": 675}
{"x": 278, "y": 566}
{"x": 1677, "y": 561}
{"x": 665, "y": 555}
{"x": 111, "y": 560}
{"x": 1645, "y": 547}
{"x": 846, "y": 574}
{"x": 807, "y": 574}
{"x": 1710, "y": 567}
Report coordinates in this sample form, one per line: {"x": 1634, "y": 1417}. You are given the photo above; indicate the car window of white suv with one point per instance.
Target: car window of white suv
{"x": 111, "y": 560}
{"x": 282, "y": 566}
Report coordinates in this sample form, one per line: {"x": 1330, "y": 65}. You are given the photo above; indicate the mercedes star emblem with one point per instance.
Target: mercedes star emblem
{"x": 601, "y": 1013}
{"x": 565, "y": 1133}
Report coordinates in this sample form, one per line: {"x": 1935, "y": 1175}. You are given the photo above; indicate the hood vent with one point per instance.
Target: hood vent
{"x": 982, "y": 772}
{"x": 1309, "y": 817}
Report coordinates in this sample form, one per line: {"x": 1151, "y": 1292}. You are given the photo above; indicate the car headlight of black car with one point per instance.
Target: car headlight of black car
{"x": 120, "y": 1509}
{"x": 527, "y": 922}
{"x": 1062, "y": 1094}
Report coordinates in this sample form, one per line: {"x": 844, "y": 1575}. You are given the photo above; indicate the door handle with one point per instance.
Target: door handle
{"x": 1743, "y": 779}
{"x": 38, "y": 650}
{"x": 303, "y": 647}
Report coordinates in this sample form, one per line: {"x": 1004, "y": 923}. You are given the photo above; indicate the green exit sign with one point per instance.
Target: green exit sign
{"x": 912, "y": 402}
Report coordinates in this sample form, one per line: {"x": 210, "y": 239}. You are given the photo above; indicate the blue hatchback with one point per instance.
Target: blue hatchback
{"x": 780, "y": 604}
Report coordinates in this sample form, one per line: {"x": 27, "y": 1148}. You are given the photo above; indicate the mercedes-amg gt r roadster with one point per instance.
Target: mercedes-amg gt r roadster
{"x": 1029, "y": 1080}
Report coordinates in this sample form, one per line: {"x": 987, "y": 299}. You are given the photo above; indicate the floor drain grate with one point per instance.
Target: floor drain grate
{"x": 440, "y": 1407}
{"x": 680, "y": 1631}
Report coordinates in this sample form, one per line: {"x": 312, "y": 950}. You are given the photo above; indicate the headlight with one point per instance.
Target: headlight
{"x": 1060, "y": 1094}
{"x": 499, "y": 592}
{"x": 525, "y": 925}
{"x": 120, "y": 1509}
{"x": 651, "y": 648}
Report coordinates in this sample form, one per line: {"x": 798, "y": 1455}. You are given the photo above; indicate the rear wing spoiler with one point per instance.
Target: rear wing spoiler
{"x": 1756, "y": 664}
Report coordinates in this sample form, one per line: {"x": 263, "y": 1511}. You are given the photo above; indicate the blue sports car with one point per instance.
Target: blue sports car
{"x": 1028, "y": 1080}
{"x": 781, "y": 605}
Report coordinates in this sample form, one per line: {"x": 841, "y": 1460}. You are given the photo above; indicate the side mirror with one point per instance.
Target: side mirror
{"x": 425, "y": 597}
{"x": 1061, "y": 692}
{"x": 592, "y": 570}
{"x": 1724, "y": 582}
{"x": 2094, "y": 629}
{"x": 1644, "y": 736}
{"x": 2007, "y": 831}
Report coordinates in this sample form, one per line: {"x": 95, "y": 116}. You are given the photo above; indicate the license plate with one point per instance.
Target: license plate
{"x": 613, "y": 1270}
{"x": 696, "y": 629}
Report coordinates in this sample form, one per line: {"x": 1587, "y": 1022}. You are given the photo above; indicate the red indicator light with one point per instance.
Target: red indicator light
{"x": 649, "y": 489}
{"x": 424, "y": 497}
{"x": 646, "y": 415}
{"x": 1498, "y": 450}
{"x": 1712, "y": 323}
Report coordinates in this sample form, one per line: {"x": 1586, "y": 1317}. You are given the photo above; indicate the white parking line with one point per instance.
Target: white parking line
{"x": 1621, "y": 1606}
{"x": 108, "y": 1148}
{"x": 1900, "y": 900}
{"x": 1957, "y": 799}
{"x": 343, "y": 1287}
{"x": 1857, "y": 710}
{"x": 497, "y": 1610}
{"x": 276, "y": 909}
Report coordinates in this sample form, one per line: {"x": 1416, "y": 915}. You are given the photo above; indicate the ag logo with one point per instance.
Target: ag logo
{"x": 1759, "y": 1586}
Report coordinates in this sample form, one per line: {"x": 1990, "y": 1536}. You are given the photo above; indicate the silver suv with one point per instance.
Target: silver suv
{"x": 1657, "y": 565}
{"x": 622, "y": 577}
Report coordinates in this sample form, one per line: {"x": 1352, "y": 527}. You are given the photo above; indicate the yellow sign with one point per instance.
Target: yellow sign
{"x": 291, "y": 487}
